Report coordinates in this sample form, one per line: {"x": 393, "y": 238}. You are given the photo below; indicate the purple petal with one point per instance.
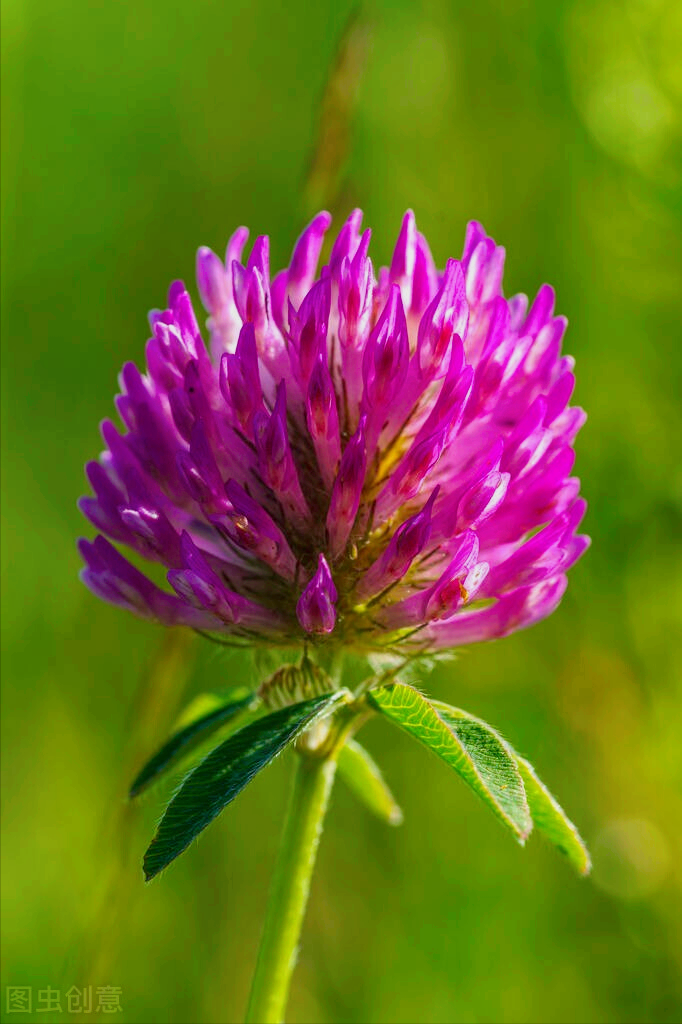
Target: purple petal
{"x": 303, "y": 265}
{"x": 405, "y": 545}
{"x": 315, "y": 608}
{"x": 323, "y": 421}
{"x": 250, "y": 527}
{"x": 446, "y": 316}
{"x": 518, "y": 610}
{"x": 346, "y": 491}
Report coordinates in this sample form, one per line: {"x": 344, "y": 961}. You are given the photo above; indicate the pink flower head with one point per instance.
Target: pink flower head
{"x": 356, "y": 459}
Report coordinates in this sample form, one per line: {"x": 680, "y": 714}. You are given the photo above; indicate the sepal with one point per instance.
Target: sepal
{"x": 291, "y": 684}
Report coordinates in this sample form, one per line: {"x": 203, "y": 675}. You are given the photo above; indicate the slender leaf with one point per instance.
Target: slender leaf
{"x": 472, "y": 748}
{"x": 548, "y": 816}
{"x": 187, "y": 739}
{"x": 551, "y": 819}
{"x": 224, "y": 774}
{"x": 364, "y": 777}
{"x": 203, "y": 704}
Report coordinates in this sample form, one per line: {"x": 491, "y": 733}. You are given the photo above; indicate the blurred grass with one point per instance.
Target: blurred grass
{"x": 134, "y": 133}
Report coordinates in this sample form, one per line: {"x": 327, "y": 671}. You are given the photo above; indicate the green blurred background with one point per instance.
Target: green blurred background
{"x": 132, "y": 133}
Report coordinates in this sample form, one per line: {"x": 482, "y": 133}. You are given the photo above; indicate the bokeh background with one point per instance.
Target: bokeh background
{"x": 134, "y": 132}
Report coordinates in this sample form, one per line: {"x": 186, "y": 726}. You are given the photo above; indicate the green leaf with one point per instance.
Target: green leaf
{"x": 364, "y": 777}
{"x": 225, "y": 772}
{"x": 548, "y": 816}
{"x": 471, "y": 747}
{"x": 551, "y": 819}
{"x": 186, "y": 740}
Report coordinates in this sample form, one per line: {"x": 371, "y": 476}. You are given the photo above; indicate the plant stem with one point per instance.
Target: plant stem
{"x": 291, "y": 884}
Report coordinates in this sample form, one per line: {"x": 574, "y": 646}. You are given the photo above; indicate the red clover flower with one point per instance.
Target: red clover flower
{"x": 367, "y": 460}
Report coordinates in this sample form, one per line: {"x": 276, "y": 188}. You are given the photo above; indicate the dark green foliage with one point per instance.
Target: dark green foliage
{"x": 476, "y": 753}
{"x": 183, "y": 742}
{"x": 224, "y": 774}
{"x": 504, "y": 780}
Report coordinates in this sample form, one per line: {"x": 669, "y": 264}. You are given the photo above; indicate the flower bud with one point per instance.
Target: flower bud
{"x": 316, "y": 606}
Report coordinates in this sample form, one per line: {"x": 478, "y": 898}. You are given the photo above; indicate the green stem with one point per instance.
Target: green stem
{"x": 291, "y": 885}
